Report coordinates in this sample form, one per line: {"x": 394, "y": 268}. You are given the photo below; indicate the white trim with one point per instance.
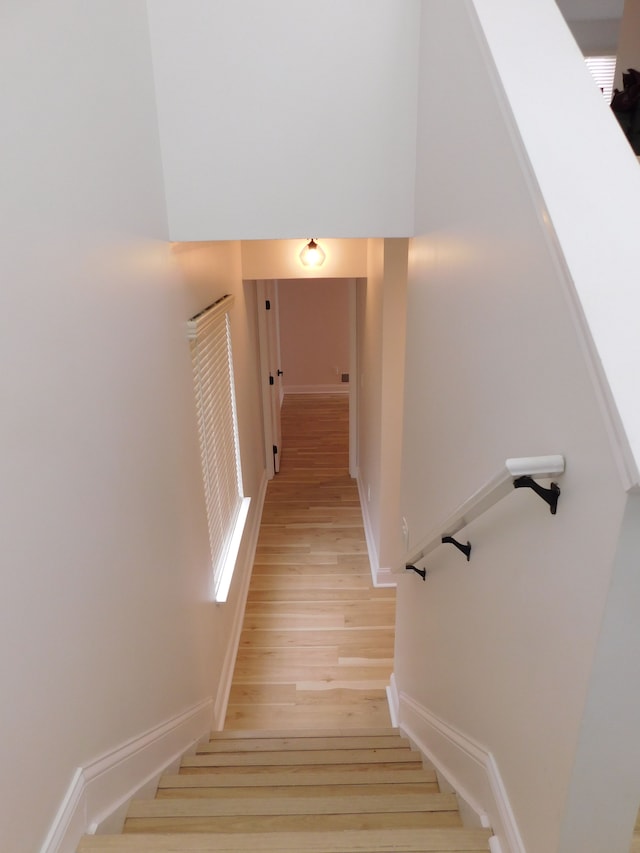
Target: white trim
{"x": 393, "y": 701}
{"x": 381, "y": 577}
{"x": 468, "y": 766}
{"x": 385, "y": 577}
{"x": 228, "y": 665}
{"x": 342, "y": 388}
{"x": 368, "y": 529}
{"x": 96, "y": 789}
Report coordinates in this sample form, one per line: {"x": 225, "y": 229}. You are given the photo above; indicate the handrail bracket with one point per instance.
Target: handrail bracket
{"x": 421, "y": 572}
{"x": 549, "y": 496}
{"x": 466, "y": 549}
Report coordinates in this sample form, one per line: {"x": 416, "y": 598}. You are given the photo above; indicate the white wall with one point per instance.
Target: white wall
{"x": 369, "y": 308}
{"x": 106, "y": 621}
{"x": 392, "y": 377}
{"x": 314, "y": 332}
{"x": 595, "y": 24}
{"x": 597, "y": 237}
{"x": 597, "y": 13}
{"x": 285, "y": 119}
{"x": 502, "y": 650}
{"x": 380, "y": 321}
{"x": 596, "y": 38}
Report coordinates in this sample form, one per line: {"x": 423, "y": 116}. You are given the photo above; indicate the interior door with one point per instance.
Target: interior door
{"x": 271, "y": 372}
{"x": 275, "y": 371}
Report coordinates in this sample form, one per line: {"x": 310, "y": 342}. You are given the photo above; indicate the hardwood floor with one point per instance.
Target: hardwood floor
{"x": 316, "y": 649}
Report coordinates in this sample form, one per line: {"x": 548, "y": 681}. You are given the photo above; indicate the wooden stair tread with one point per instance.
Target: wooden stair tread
{"x": 293, "y": 790}
{"x": 291, "y": 595}
{"x": 304, "y": 757}
{"x": 348, "y": 841}
{"x": 270, "y": 823}
{"x": 304, "y": 742}
{"x": 292, "y": 770}
{"x": 319, "y": 804}
{"x": 293, "y": 822}
{"x": 295, "y": 776}
{"x": 298, "y": 715}
{"x": 230, "y": 734}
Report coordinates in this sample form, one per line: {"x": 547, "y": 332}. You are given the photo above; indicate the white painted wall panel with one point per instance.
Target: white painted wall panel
{"x": 106, "y": 624}
{"x": 503, "y": 648}
{"x": 369, "y": 324}
{"x": 287, "y": 119}
{"x": 380, "y": 317}
{"x": 593, "y": 209}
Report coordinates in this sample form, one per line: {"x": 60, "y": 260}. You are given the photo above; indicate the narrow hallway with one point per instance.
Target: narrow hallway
{"x": 316, "y": 649}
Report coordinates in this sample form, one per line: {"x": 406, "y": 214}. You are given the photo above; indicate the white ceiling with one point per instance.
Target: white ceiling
{"x": 586, "y": 10}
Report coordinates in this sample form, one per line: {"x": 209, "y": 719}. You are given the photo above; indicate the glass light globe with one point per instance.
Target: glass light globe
{"x": 312, "y": 255}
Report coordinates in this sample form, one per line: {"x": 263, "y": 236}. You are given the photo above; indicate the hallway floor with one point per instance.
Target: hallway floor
{"x": 316, "y": 650}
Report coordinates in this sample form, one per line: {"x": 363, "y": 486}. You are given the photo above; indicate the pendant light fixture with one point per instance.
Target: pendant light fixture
{"x": 312, "y": 255}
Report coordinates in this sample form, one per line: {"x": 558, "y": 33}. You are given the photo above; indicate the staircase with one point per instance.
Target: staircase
{"x": 327, "y": 792}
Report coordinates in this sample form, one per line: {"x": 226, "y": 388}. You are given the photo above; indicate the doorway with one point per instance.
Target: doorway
{"x": 307, "y": 344}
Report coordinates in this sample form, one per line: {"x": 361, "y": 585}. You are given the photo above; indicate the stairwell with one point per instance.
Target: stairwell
{"x": 324, "y": 791}
{"x": 315, "y": 655}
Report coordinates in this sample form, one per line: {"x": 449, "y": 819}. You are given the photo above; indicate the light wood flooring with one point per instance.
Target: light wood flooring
{"x": 316, "y": 649}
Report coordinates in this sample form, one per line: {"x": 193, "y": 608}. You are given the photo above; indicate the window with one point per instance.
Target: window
{"x": 603, "y": 69}
{"x": 209, "y": 335}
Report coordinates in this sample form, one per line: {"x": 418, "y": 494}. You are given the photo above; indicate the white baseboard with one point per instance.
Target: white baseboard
{"x": 380, "y": 576}
{"x": 103, "y": 786}
{"x": 469, "y": 768}
{"x": 341, "y": 388}
{"x": 226, "y": 675}
{"x": 385, "y": 577}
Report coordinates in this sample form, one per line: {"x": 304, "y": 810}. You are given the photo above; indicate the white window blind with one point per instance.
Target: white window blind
{"x": 603, "y": 69}
{"x": 209, "y": 334}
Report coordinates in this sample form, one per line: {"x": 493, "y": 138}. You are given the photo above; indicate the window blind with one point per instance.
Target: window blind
{"x": 603, "y": 69}
{"x": 209, "y": 335}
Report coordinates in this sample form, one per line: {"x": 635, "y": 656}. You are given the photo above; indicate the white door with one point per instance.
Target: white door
{"x": 271, "y": 372}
